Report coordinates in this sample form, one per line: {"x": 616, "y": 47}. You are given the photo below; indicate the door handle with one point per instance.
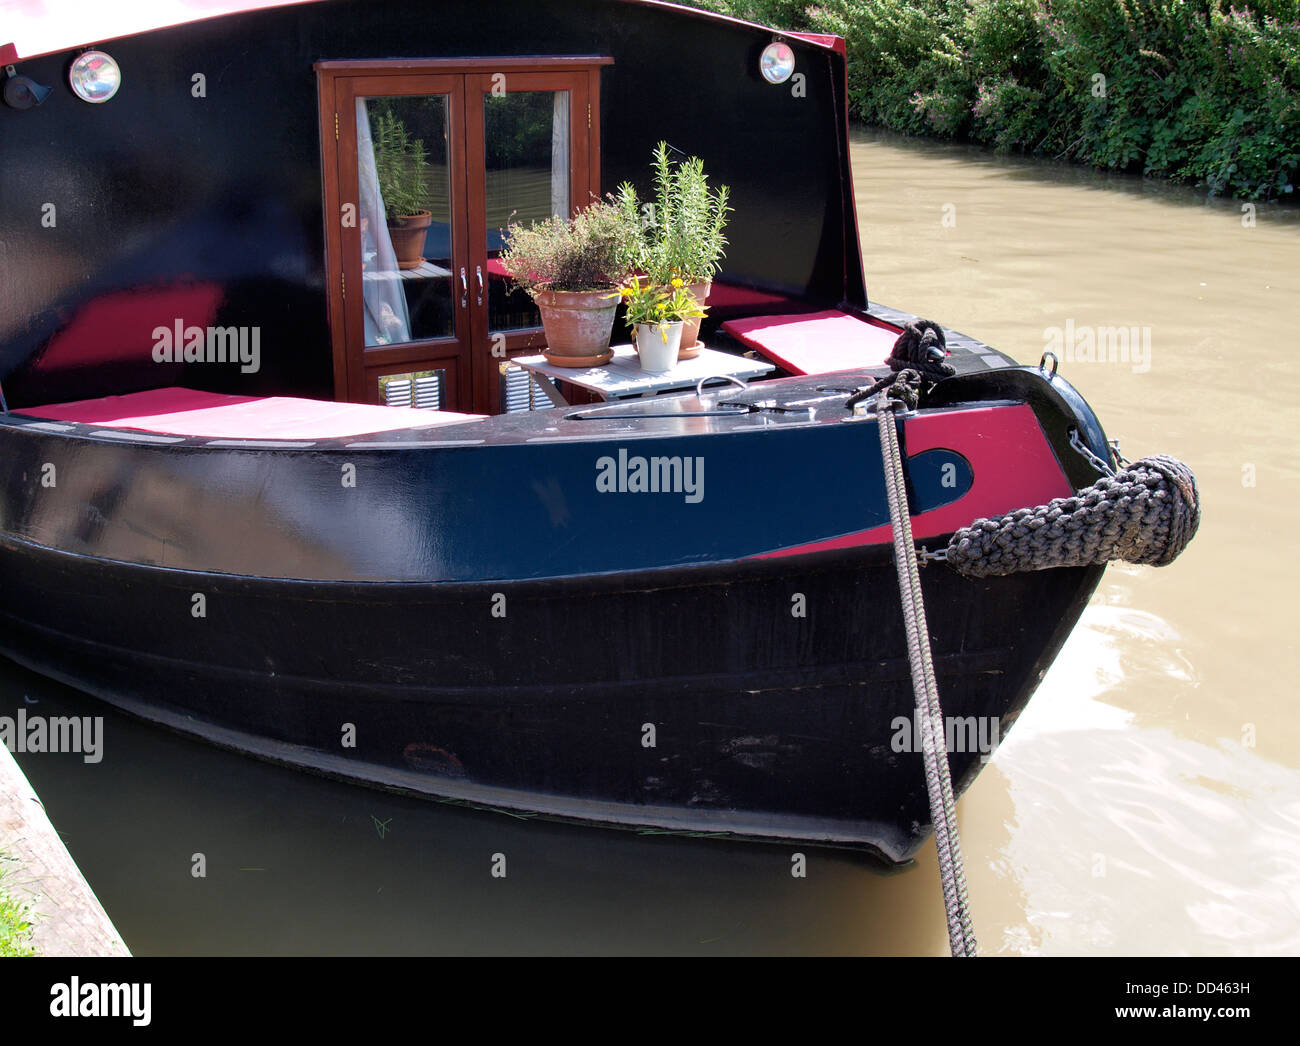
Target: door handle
{"x": 478, "y": 271}
{"x": 464, "y": 289}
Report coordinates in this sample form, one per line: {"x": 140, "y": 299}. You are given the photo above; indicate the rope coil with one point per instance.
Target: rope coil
{"x": 1146, "y": 512}
{"x": 917, "y": 360}
{"x": 922, "y": 347}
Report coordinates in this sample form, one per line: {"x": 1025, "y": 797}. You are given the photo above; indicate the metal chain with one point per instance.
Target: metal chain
{"x": 1104, "y": 467}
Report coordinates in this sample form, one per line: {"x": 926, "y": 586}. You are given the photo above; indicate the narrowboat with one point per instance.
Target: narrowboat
{"x": 260, "y": 489}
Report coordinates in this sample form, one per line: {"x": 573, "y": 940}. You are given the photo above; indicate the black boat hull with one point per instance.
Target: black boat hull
{"x": 544, "y": 612}
{"x": 675, "y": 700}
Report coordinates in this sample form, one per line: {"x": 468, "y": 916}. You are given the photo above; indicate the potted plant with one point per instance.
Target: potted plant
{"x": 656, "y": 315}
{"x": 683, "y": 235}
{"x": 570, "y": 267}
{"x": 402, "y": 169}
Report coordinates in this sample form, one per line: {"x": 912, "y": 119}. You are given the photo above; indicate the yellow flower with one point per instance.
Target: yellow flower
{"x": 677, "y": 282}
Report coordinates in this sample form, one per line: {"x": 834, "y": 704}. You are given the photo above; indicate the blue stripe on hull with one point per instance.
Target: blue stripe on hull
{"x": 514, "y": 511}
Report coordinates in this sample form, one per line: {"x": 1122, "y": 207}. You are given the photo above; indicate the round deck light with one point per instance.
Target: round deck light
{"x": 95, "y": 77}
{"x": 777, "y": 63}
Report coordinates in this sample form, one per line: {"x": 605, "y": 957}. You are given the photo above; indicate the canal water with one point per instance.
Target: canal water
{"x": 1148, "y": 801}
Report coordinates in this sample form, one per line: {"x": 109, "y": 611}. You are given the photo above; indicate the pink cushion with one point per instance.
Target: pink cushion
{"x": 815, "y": 342}
{"x": 188, "y": 412}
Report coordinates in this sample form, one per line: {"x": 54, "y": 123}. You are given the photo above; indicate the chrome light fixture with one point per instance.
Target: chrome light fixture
{"x": 777, "y": 63}
{"x": 94, "y": 77}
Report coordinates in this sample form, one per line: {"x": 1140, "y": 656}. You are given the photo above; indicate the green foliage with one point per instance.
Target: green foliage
{"x": 787, "y": 14}
{"x": 518, "y": 128}
{"x": 15, "y": 927}
{"x": 683, "y": 228}
{"x": 595, "y": 250}
{"x": 401, "y": 164}
{"x": 1196, "y": 90}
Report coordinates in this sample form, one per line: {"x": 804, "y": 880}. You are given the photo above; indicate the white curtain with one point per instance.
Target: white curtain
{"x": 560, "y": 155}
{"x": 387, "y": 321}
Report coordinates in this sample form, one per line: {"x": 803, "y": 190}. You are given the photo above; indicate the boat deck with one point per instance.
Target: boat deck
{"x": 189, "y": 416}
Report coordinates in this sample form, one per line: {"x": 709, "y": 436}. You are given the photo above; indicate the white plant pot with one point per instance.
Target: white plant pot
{"x": 657, "y": 345}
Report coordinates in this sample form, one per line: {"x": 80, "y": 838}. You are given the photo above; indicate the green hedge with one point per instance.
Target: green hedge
{"x": 1195, "y": 91}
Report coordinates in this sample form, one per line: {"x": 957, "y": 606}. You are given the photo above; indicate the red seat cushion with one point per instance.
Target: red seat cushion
{"x": 815, "y": 342}
{"x": 188, "y": 412}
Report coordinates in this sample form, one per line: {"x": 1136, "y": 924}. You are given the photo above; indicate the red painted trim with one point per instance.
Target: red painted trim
{"x": 816, "y": 39}
{"x": 8, "y": 54}
{"x": 1013, "y": 464}
{"x": 40, "y": 10}
{"x": 34, "y": 10}
{"x": 828, "y": 40}
{"x": 855, "y": 225}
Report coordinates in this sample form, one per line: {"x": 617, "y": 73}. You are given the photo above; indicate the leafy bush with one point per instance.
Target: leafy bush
{"x": 1197, "y": 90}
{"x": 683, "y": 230}
{"x": 593, "y": 251}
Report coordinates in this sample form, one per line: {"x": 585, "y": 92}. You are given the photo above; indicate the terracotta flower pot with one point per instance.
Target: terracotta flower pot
{"x": 408, "y": 233}
{"x": 578, "y": 324}
{"x": 691, "y": 330}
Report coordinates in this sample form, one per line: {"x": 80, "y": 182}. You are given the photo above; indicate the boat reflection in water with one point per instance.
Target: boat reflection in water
{"x": 298, "y": 864}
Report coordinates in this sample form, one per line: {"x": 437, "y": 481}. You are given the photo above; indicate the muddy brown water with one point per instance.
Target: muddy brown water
{"x": 1148, "y": 801}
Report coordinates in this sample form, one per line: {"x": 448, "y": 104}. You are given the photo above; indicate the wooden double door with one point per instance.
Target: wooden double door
{"x": 420, "y": 309}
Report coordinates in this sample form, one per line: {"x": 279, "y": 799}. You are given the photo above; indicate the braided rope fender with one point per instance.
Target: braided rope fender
{"x": 1147, "y": 512}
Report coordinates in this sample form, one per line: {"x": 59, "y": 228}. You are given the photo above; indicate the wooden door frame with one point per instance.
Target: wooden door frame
{"x": 397, "y": 75}
{"x": 363, "y": 362}
{"x": 582, "y": 181}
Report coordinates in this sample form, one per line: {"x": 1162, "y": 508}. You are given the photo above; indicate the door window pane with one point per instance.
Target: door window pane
{"x": 526, "y": 149}
{"x": 404, "y": 213}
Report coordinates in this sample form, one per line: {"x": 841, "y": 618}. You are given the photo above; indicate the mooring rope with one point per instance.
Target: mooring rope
{"x": 938, "y": 778}
{"x": 1145, "y": 512}
{"x": 922, "y": 346}
{"x": 916, "y": 359}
